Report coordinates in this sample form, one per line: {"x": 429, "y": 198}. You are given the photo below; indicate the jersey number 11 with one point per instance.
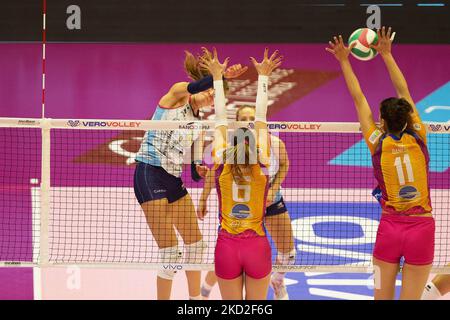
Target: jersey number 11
{"x": 399, "y": 167}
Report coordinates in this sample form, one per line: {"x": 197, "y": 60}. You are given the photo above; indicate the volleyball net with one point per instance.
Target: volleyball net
{"x": 68, "y": 199}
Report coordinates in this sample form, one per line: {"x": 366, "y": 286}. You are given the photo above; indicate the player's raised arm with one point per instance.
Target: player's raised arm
{"x": 264, "y": 69}
{"x": 341, "y": 52}
{"x": 217, "y": 69}
{"x": 383, "y": 47}
{"x": 385, "y": 38}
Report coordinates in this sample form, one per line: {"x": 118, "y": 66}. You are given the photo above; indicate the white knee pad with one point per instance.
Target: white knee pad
{"x": 195, "y": 252}
{"x": 169, "y": 256}
{"x": 431, "y": 292}
{"x": 286, "y": 259}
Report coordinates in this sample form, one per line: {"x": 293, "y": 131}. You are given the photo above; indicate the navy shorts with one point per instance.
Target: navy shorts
{"x": 276, "y": 208}
{"x": 154, "y": 183}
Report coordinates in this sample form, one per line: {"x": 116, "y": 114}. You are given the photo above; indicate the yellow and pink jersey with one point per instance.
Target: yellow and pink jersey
{"x": 401, "y": 169}
{"x": 242, "y": 204}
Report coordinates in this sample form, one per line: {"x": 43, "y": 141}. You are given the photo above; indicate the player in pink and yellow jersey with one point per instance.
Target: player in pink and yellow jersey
{"x": 242, "y": 254}
{"x": 400, "y": 160}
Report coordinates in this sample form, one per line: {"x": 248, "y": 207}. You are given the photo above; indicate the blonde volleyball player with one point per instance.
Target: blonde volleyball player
{"x": 277, "y": 220}
{"x": 436, "y": 288}
{"x": 157, "y": 183}
{"x": 400, "y": 160}
{"x": 242, "y": 255}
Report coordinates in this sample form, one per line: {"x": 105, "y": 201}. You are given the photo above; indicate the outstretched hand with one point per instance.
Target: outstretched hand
{"x": 211, "y": 63}
{"x": 385, "y": 40}
{"x": 267, "y": 65}
{"x": 235, "y": 71}
{"x": 338, "y": 49}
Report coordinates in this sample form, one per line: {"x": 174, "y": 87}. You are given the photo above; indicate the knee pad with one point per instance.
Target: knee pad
{"x": 195, "y": 252}
{"x": 287, "y": 259}
{"x": 168, "y": 256}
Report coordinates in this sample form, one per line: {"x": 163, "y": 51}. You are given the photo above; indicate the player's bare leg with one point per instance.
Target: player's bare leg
{"x": 280, "y": 228}
{"x": 160, "y": 223}
{"x": 231, "y": 289}
{"x": 256, "y": 289}
{"x": 414, "y": 279}
{"x": 185, "y": 221}
{"x": 385, "y": 277}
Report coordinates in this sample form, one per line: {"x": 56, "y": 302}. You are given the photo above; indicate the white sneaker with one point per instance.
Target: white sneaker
{"x": 279, "y": 289}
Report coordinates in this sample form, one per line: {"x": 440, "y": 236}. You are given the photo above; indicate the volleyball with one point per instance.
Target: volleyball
{"x": 363, "y": 37}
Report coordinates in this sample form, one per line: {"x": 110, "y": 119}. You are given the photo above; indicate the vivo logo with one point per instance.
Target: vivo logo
{"x": 172, "y": 267}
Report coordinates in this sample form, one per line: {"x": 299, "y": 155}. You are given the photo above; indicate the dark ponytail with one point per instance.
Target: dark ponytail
{"x": 396, "y": 112}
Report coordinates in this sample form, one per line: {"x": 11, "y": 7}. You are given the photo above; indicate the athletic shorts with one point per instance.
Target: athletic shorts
{"x": 405, "y": 236}
{"x": 153, "y": 183}
{"x": 276, "y": 208}
{"x": 247, "y": 252}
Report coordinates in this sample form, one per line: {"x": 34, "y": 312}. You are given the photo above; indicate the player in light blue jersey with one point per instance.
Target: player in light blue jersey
{"x": 157, "y": 180}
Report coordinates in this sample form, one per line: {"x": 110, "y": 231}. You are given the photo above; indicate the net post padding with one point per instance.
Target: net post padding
{"x": 45, "y": 193}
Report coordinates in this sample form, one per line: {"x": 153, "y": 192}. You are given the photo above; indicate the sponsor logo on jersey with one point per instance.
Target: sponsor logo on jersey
{"x": 240, "y": 211}
{"x": 375, "y": 136}
{"x": 159, "y": 190}
{"x": 417, "y": 126}
{"x": 235, "y": 223}
{"x": 194, "y": 126}
{"x": 399, "y": 149}
{"x": 408, "y": 193}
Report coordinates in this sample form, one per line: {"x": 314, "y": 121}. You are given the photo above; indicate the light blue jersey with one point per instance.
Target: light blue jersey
{"x": 274, "y": 163}
{"x": 166, "y": 148}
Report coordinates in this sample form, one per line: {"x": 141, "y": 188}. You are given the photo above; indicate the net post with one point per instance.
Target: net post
{"x": 45, "y": 192}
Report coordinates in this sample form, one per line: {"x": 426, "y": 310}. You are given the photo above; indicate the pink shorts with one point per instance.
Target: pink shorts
{"x": 247, "y": 252}
{"x": 407, "y": 236}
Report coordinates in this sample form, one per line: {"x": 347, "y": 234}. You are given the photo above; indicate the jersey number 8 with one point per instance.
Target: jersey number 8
{"x": 245, "y": 190}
